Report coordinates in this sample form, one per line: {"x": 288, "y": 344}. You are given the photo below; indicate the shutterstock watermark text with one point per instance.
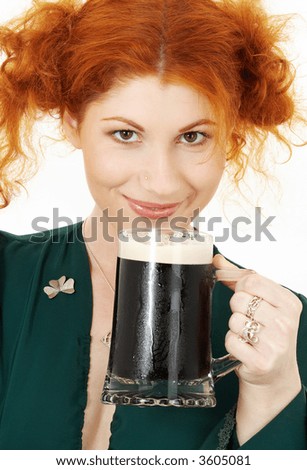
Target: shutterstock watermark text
{"x": 109, "y": 225}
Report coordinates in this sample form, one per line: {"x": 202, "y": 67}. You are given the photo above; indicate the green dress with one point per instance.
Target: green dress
{"x": 45, "y": 359}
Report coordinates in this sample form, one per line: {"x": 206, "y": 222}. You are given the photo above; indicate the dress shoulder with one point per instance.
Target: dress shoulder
{"x": 38, "y": 237}
{"x": 9, "y": 237}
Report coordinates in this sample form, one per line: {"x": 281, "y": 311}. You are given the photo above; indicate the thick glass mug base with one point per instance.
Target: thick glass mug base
{"x": 183, "y": 394}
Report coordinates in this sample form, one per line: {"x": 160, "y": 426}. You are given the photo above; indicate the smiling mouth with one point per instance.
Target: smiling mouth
{"x": 152, "y": 210}
{"x": 152, "y": 205}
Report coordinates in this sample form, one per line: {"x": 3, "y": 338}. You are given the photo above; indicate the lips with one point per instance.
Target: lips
{"x": 152, "y": 210}
{"x": 153, "y": 204}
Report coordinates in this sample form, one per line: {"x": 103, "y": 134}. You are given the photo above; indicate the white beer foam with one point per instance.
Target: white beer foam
{"x": 184, "y": 252}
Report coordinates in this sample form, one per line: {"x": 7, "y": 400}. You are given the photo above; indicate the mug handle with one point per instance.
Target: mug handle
{"x": 226, "y": 364}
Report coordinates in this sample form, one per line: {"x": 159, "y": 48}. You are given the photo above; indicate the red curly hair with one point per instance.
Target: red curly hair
{"x": 62, "y": 55}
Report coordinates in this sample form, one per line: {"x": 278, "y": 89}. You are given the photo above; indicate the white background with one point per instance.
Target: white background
{"x": 61, "y": 184}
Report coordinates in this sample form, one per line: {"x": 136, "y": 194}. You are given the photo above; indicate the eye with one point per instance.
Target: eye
{"x": 125, "y": 136}
{"x": 194, "y": 138}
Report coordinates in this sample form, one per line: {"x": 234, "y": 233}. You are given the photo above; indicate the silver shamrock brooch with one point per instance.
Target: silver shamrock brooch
{"x": 60, "y": 285}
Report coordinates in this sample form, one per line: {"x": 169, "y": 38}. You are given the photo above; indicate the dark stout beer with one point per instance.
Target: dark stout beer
{"x": 161, "y": 326}
{"x": 161, "y": 321}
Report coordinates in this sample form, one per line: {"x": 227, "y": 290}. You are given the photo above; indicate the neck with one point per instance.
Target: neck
{"x": 102, "y": 239}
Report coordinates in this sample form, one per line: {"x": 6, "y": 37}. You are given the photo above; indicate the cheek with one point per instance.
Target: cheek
{"x": 207, "y": 176}
{"x": 102, "y": 166}
{"x": 97, "y": 158}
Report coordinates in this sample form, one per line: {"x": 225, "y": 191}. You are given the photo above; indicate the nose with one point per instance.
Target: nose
{"x": 162, "y": 177}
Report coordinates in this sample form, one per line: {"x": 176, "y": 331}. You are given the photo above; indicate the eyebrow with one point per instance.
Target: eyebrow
{"x": 198, "y": 123}
{"x": 140, "y": 128}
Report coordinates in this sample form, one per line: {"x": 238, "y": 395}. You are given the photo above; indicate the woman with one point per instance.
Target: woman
{"x": 160, "y": 96}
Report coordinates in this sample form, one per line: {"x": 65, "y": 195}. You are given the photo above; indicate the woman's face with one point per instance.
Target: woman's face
{"x": 152, "y": 143}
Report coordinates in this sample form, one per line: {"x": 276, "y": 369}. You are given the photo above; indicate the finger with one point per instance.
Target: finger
{"x": 258, "y": 360}
{"x": 219, "y": 262}
{"x": 265, "y": 312}
{"x": 244, "y": 352}
{"x": 269, "y": 339}
{"x": 237, "y": 322}
{"x": 246, "y": 330}
{"x": 222, "y": 263}
{"x": 273, "y": 293}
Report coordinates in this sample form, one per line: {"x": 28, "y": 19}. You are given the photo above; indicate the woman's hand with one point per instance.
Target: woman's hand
{"x": 268, "y": 376}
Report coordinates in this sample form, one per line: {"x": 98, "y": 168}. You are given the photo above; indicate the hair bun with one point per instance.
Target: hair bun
{"x": 266, "y": 75}
{"x": 30, "y": 81}
{"x": 33, "y": 49}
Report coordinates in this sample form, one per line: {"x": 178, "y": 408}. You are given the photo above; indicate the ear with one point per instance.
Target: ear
{"x": 71, "y": 130}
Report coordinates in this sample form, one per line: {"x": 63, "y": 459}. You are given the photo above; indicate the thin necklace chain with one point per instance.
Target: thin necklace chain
{"x": 106, "y": 339}
{"x": 100, "y": 267}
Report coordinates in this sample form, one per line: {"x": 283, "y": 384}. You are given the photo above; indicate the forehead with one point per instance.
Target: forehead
{"x": 148, "y": 95}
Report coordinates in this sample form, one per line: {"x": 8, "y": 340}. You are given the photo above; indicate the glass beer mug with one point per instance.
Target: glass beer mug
{"x": 160, "y": 351}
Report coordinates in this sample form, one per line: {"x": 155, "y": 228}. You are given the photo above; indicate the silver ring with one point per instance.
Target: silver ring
{"x": 251, "y": 326}
{"x": 252, "y": 306}
{"x": 249, "y": 331}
